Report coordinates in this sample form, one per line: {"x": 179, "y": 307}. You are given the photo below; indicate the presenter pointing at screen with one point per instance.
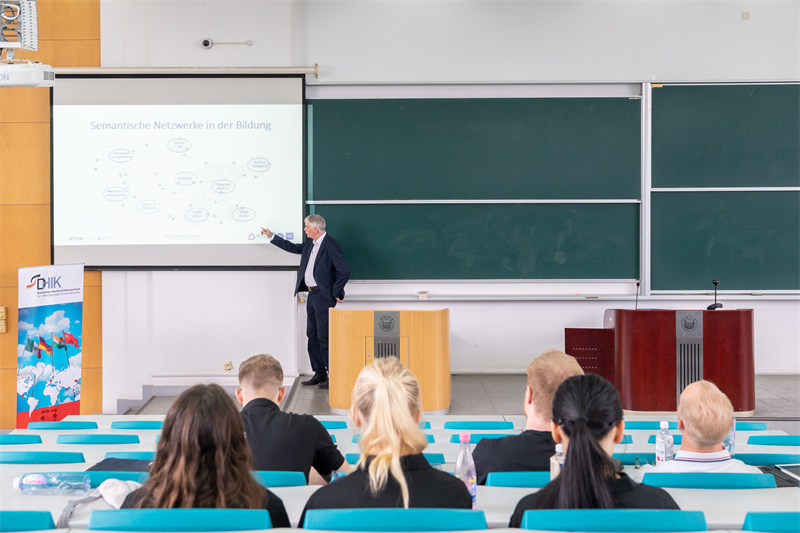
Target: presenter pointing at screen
{"x": 323, "y": 273}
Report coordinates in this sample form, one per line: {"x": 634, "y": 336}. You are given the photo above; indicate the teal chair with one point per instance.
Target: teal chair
{"x": 474, "y": 438}
{"x": 676, "y": 439}
{"x": 630, "y": 458}
{"x": 137, "y": 424}
{"x": 98, "y": 438}
{"x": 751, "y": 426}
{"x": 647, "y": 424}
{"x": 709, "y": 480}
{"x": 333, "y": 424}
{"x": 772, "y": 522}
{"x": 96, "y": 477}
{"x": 275, "y": 478}
{"x": 169, "y": 520}
{"x": 333, "y": 438}
{"x": 620, "y": 520}
{"x": 626, "y": 439}
{"x": 767, "y": 440}
{"x": 428, "y": 437}
{"x": 425, "y": 425}
{"x": 20, "y": 439}
{"x": 62, "y": 424}
{"x": 25, "y": 521}
{"x": 43, "y": 458}
{"x": 395, "y": 519}
{"x": 479, "y": 424}
{"x": 518, "y": 479}
{"x": 433, "y": 458}
{"x": 768, "y": 459}
{"x": 140, "y": 456}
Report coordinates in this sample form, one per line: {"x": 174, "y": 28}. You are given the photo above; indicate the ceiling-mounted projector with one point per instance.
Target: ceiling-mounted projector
{"x": 26, "y": 75}
{"x": 19, "y": 30}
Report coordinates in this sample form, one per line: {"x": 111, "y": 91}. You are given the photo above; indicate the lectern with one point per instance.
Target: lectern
{"x": 652, "y": 355}
{"x": 420, "y": 339}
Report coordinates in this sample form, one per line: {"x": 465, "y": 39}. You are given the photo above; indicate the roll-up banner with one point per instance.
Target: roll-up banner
{"x": 49, "y": 343}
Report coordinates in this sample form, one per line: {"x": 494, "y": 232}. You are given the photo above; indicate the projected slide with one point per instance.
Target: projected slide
{"x": 176, "y": 174}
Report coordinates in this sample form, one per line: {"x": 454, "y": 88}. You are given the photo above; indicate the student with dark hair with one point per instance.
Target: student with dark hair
{"x": 587, "y": 420}
{"x": 203, "y": 460}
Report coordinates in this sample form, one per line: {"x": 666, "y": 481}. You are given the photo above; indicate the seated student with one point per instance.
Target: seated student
{"x": 587, "y": 416}
{"x": 392, "y": 472}
{"x": 202, "y": 460}
{"x": 705, "y": 416}
{"x": 531, "y": 449}
{"x": 282, "y": 441}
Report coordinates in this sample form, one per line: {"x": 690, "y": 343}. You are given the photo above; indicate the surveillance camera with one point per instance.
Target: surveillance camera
{"x": 207, "y": 43}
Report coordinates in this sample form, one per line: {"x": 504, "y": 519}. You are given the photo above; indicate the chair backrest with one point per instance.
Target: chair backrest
{"x": 433, "y": 458}
{"x": 137, "y": 424}
{"x": 676, "y": 439}
{"x": 768, "y": 459}
{"x": 425, "y": 425}
{"x": 98, "y": 476}
{"x": 647, "y": 424}
{"x": 626, "y": 439}
{"x": 44, "y": 458}
{"x": 621, "y": 520}
{"x": 630, "y": 458}
{"x": 751, "y": 426}
{"x": 709, "y": 480}
{"x": 518, "y": 479}
{"x": 333, "y": 424}
{"x": 168, "y": 520}
{"x": 772, "y": 522}
{"x": 428, "y": 437}
{"x": 98, "y": 438}
{"x": 62, "y": 424}
{"x": 417, "y": 519}
{"x": 774, "y": 440}
{"x": 474, "y": 438}
{"x": 25, "y": 521}
{"x": 275, "y": 478}
{"x": 479, "y": 424}
{"x": 141, "y": 456}
{"x": 20, "y": 439}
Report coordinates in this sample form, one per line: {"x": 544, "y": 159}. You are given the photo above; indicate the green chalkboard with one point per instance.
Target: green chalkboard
{"x": 443, "y": 149}
{"x": 747, "y": 240}
{"x": 488, "y": 241}
{"x": 726, "y": 136}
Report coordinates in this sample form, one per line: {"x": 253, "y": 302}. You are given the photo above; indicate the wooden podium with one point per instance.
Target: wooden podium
{"x": 420, "y": 339}
{"x": 652, "y": 355}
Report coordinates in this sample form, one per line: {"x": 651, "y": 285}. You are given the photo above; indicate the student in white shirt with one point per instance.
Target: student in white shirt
{"x": 705, "y": 416}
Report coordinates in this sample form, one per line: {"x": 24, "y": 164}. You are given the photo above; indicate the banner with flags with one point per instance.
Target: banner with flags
{"x": 50, "y": 333}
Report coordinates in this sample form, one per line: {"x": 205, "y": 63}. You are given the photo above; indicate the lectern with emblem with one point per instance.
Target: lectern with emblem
{"x": 652, "y": 355}
{"x": 420, "y": 339}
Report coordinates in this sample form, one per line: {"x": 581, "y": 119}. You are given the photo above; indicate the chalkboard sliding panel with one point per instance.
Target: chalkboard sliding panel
{"x": 486, "y": 241}
{"x": 750, "y": 241}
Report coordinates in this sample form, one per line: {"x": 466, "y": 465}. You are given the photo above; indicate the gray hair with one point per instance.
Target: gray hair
{"x": 316, "y": 221}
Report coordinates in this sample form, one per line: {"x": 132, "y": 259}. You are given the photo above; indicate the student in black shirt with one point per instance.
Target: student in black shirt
{"x": 587, "y": 420}
{"x": 279, "y": 440}
{"x": 531, "y": 449}
{"x": 392, "y": 471}
{"x": 203, "y": 461}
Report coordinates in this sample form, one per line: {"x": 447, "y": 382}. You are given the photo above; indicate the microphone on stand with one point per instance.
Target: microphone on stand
{"x": 636, "y": 307}
{"x": 715, "y": 305}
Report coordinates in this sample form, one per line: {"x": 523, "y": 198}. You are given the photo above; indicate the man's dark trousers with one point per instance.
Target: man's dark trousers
{"x": 317, "y": 309}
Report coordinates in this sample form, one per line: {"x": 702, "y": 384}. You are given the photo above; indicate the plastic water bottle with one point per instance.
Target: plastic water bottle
{"x": 557, "y": 461}
{"x": 664, "y": 448}
{"x": 729, "y": 442}
{"x": 53, "y": 483}
{"x": 465, "y": 468}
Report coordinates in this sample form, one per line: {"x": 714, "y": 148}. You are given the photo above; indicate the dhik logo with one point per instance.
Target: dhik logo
{"x": 44, "y": 283}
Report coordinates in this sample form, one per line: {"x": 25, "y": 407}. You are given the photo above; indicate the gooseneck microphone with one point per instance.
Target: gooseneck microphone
{"x": 636, "y": 306}
{"x": 715, "y": 305}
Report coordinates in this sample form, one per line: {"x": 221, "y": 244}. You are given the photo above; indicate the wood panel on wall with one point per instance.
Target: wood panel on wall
{"x": 69, "y": 36}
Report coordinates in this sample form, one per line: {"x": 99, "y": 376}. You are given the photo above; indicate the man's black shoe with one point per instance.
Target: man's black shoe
{"x": 316, "y": 380}
{"x": 324, "y": 385}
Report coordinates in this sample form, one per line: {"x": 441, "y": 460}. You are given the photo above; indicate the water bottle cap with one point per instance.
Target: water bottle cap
{"x": 464, "y": 437}
{"x": 559, "y": 448}
{"x": 16, "y": 483}
{"x": 664, "y": 424}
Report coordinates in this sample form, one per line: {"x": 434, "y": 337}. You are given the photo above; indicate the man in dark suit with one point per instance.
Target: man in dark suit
{"x": 323, "y": 273}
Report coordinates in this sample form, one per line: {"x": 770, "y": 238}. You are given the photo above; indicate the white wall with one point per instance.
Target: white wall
{"x": 176, "y": 328}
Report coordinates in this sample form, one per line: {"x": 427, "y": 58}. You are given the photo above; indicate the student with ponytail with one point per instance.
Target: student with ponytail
{"x": 392, "y": 471}
{"x": 587, "y": 420}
